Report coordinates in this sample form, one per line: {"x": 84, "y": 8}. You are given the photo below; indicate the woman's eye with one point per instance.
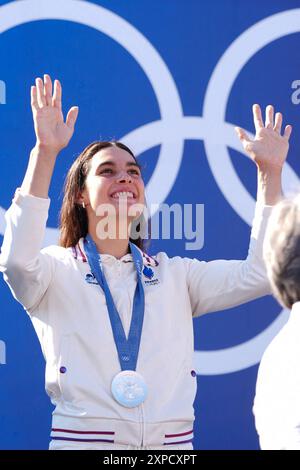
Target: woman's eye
{"x": 110, "y": 171}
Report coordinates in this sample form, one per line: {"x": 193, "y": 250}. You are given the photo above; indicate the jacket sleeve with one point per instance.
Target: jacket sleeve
{"x": 27, "y": 270}
{"x": 222, "y": 284}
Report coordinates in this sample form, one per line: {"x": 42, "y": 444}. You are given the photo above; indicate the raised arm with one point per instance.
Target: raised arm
{"x": 52, "y": 135}
{"x": 222, "y": 284}
{"x": 27, "y": 270}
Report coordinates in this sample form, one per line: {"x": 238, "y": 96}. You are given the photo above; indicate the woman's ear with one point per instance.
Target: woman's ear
{"x": 81, "y": 199}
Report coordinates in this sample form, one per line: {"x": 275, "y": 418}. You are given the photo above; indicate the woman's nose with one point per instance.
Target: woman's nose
{"x": 124, "y": 177}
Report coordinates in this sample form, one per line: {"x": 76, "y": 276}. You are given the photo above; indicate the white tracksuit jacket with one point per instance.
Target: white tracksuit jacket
{"x": 72, "y": 323}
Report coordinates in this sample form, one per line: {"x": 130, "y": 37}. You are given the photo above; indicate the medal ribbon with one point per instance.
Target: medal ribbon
{"x": 128, "y": 349}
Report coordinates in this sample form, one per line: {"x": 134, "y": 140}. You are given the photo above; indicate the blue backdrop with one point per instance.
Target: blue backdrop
{"x": 171, "y": 78}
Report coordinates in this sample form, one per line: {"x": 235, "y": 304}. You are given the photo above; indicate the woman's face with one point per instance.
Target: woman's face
{"x": 115, "y": 179}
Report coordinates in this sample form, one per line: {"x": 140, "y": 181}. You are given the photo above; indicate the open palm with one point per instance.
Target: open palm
{"x": 269, "y": 148}
{"x": 50, "y": 128}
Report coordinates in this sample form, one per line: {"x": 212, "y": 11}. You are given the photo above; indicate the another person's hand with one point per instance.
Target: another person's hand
{"x": 52, "y": 133}
{"x": 269, "y": 148}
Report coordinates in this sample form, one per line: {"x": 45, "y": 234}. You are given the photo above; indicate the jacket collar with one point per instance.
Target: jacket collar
{"x": 78, "y": 253}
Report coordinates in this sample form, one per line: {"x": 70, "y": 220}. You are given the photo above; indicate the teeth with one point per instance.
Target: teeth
{"x": 122, "y": 194}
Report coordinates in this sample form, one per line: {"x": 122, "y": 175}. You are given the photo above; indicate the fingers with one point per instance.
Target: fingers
{"x": 56, "y": 100}
{"x": 257, "y": 117}
{"x": 72, "y": 117}
{"x": 278, "y": 122}
{"x": 287, "y": 131}
{"x": 33, "y": 96}
{"x": 269, "y": 117}
{"x": 40, "y": 92}
{"x": 243, "y": 136}
{"x": 269, "y": 123}
{"x": 48, "y": 89}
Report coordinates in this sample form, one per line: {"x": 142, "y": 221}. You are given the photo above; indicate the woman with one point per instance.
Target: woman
{"x": 115, "y": 325}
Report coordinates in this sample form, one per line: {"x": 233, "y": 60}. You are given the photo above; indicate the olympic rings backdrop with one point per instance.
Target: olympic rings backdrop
{"x": 171, "y": 79}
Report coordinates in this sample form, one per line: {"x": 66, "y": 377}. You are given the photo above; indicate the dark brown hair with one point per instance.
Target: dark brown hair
{"x": 73, "y": 220}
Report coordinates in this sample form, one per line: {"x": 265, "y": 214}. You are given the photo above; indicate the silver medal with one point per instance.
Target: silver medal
{"x": 129, "y": 388}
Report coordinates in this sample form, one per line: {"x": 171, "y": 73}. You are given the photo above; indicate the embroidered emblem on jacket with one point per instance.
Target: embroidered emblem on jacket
{"x": 148, "y": 272}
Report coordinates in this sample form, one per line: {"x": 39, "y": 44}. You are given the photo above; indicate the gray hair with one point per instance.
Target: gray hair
{"x": 282, "y": 251}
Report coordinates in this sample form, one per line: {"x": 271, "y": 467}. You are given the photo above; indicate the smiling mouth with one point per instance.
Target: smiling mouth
{"x": 123, "y": 195}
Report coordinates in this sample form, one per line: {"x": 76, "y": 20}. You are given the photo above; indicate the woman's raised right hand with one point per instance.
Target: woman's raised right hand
{"x": 52, "y": 133}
